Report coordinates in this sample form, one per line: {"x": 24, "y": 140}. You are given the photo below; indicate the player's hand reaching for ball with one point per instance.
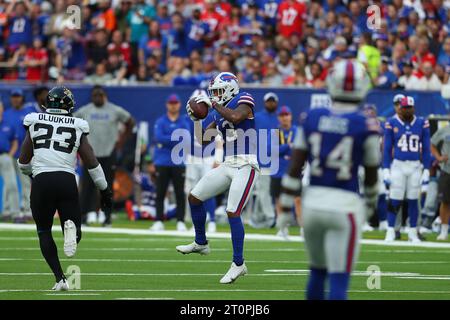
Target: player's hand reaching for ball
{"x": 190, "y": 112}
{"x": 205, "y": 99}
{"x": 106, "y": 199}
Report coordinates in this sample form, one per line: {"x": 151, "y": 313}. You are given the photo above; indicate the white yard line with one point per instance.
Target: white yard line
{"x": 227, "y": 290}
{"x": 72, "y": 294}
{"x": 164, "y": 298}
{"x": 218, "y": 235}
{"x": 5, "y": 259}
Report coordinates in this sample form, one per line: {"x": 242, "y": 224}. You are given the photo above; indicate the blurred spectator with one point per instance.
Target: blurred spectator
{"x": 40, "y": 99}
{"x": 70, "y": 60}
{"x": 117, "y": 45}
{"x": 422, "y": 55}
{"x": 197, "y": 31}
{"x": 97, "y": 49}
{"x": 291, "y": 18}
{"x": 16, "y": 69}
{"x": 316, "y": 77}
{"x": 386, "y": 78}
{"x": 121, "y": 14}
{"x": 20, "y": 24}
{"x": 117, "y": 67}
{"x": 177, "y": 45}
{"x": 408, "y": 80}
{"x": 369, "y": 55}
{"x": 150, "y": 42}
{"x": 166, "y": 169}
{"x": 429, "y": 81}
{"x": 100, "y": 76}
{"x": 106, "y": 139}
{"x": 444, "y": 55}
{"x": 36, "y": 60}
{"x": 272, "y": 77}
{"x": 105, "y": 17}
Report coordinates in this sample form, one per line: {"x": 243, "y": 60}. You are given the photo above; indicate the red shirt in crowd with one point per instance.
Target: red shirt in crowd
{"x": 291, "y": 15}
{"x": 39, "y": 72}
{"x": 418, "y": 60}
{"x": 124, "y": 48}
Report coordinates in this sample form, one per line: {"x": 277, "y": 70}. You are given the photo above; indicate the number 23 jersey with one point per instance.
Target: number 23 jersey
{"x": 56, "y": 139}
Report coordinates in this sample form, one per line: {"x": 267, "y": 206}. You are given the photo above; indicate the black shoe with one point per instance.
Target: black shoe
{"x": 107, "y": 223}
{"x": 398, "y": 235}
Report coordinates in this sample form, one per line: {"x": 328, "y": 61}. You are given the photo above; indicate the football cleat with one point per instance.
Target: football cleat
{"x": 283, "y": 233}
{"x": 70, "y": 238}
{"x": 62, "y": 285}
{"x": 367, "y": 227}
{"x": 181, "y": 226}
{"x": 412, "y": 236}
{"x": 193, "y": 247}
{"x": 157, "y": 226}
{"x": 390, "y": 235}
{"x": 442, "y": 237}
{"x": 91, "y": 217}
{"x": 383, "y": 226}
{"x": 212, "y": 227}
{"x": 234, "y": 273}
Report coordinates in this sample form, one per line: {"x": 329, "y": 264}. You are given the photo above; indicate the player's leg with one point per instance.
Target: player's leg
{"x": 43, "y": 207}
{"x": 396, "y": 195}
{"x": 244, "y": 179}
{"x": 314, "y": 234}
{"x": 213, "y": 183}
{"x": 162, "y": 183}
{"x": 108, "y": 164}
{"x": 25, "y": 183}
{"x": 178, "y": 177}
{"x": 444, "y": 209}
{"x": 10, "y": 189}
{"x": 69, "y": 211}
{"x": 412, "y": 195}
{"x": 342, "y": 248}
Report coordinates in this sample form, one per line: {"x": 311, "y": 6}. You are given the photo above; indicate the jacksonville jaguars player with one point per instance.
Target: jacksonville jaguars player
{"x": 335, "y": 142}
{"x": 234, "y": 120}
{"x": 406, "y": 151}
{"x": 49, "y": 154}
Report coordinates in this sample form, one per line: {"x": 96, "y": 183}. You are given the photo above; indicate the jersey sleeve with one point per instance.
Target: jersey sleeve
{"x": 84, "y": 126}
{"x": 372, "y": 154}
{"x": 29, "y": 119}
{"x": 247, "y": 99}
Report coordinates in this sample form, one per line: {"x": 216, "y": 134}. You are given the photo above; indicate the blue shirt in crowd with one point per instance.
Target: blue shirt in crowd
{"x": 15, "y": 118}
{"x": 162, "y": 133}
{"x": 7, "y": 136}
{"x": 286, "y": 138}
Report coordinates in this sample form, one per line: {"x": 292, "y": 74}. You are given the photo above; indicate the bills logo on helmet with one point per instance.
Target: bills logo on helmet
{"x": 228, "y": 77}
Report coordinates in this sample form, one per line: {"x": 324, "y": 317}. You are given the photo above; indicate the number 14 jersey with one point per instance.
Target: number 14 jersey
{"x": 56, "y": 139}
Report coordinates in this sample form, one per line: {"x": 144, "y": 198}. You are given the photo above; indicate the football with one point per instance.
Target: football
{"x": 200, "y": 110}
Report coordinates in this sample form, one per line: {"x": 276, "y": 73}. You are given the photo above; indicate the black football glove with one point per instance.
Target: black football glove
{"x": 106, "y": 199}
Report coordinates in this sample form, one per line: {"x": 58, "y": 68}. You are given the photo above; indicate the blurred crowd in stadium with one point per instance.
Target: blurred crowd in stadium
{"x": 184, "y": 42}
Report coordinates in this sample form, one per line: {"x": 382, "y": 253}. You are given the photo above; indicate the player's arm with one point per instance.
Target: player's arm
{"x": 96, "y": 172}
{"x": 242, "y": 112}
{"x": 291, "y": 182}
{"x": 371, "y": 163}
{"x": 26, "y": 154}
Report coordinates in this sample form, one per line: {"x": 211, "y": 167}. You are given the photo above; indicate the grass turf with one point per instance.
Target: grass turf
{"x": 115, "y": 266}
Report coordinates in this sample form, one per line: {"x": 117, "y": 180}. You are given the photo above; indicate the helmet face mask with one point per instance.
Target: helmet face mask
{"x": 223, "y": 88}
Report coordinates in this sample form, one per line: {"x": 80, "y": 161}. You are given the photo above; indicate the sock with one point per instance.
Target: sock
{"x": 382, "y": 208}
{"x": 210, "y": 207}
{"x": 198, "y": 215}
{"x": 316, "y": 284}
{"x": 413, "y": 212}
{"x": 237, "y": 237}
{"x": 392, "y": 216}
{"x": 339, "y": 283}
{"x": 444, "y": 229}
{"x": 50, "y": 253}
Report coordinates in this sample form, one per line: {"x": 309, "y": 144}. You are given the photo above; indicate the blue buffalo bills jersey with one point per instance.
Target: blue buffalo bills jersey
{"x": 335, "y": 145}
{"x": 406, "y": 141}
{"x": 240, "y": 139}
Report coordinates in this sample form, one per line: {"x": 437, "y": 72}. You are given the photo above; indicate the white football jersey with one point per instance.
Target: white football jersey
{"x": 56, "y": 139}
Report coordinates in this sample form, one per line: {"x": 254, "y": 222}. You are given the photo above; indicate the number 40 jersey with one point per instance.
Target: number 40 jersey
{"x": 56, "y": 139}
{"x": 410, "y": 141}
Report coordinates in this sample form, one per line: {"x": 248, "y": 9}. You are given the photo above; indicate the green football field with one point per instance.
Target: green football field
{"x": 144, "y": 266}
